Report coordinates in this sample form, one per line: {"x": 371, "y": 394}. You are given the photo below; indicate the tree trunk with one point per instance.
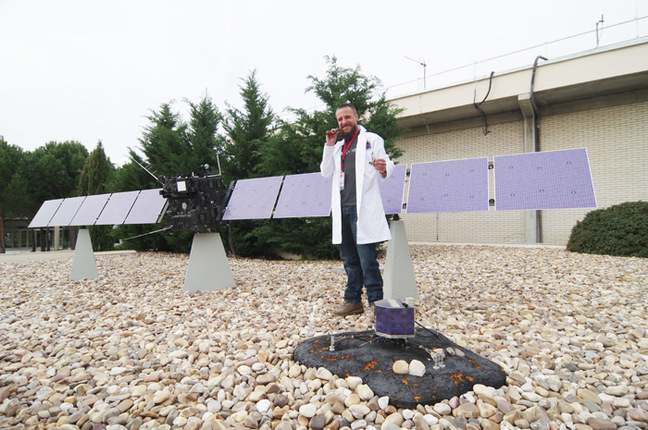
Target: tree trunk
{"x": 73, "y": 238}
{"x": 2, "y": 234}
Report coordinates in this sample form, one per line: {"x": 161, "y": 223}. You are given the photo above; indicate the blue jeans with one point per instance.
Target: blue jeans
{"x": 360, "y": 262}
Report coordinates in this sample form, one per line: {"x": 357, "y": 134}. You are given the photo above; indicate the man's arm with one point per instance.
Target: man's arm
{"x": 327, "y": 166}
{"x": 382, "y": 162}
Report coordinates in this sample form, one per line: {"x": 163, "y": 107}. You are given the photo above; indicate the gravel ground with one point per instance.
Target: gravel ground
{"x": 133, "y": 350}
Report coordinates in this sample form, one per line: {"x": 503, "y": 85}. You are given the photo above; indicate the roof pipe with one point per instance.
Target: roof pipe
{"x": 536, "y": 138}
{"x": 534, "y": 106}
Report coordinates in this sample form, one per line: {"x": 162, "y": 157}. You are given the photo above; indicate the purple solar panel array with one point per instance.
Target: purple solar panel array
{"x": 67, "y": 211}
{"x": 392, "y": 190}
{"x": 131, "y": 207}
{"x": 90, "y": 210}
{"x": 45, "y": 213}
{"x": 304, "y": 195}
{"x": 148, "y": 208}
{"x": 117, "y": 208}
{"x": 449, "y": 186}
{"x": 544, "y": 180}
{"x": 253, "y": 198}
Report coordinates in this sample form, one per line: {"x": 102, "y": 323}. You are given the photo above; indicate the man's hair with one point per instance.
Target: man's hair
{"x": 345, "y": 105}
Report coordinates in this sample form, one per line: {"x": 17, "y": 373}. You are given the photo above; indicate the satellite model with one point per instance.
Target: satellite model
{"x": 199, "y": 203}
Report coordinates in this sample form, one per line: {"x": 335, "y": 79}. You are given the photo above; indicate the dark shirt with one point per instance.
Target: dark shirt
{"x": 348, "y": 194}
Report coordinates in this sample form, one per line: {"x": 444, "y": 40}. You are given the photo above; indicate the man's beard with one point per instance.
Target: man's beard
{"x": 350, "y": 134}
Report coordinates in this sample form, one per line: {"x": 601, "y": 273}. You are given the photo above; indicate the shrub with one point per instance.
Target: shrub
{"x": 620, "y": 230}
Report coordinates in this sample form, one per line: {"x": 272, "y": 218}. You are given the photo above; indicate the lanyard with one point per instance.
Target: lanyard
{"x": 345, "y": 147}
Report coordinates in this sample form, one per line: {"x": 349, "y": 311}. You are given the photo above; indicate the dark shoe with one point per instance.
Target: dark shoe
{"x": 349, "y": 309}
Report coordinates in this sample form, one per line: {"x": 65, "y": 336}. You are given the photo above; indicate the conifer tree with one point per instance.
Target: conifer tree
{"x": 95, "y": 177}
{"x": 248, "y": 130}
{"x": 169, "y": 147}
{"x": 96, "y": 173}
{"x": 164, "y": 143}
{"x": 297, "y": 148}
{"x": 202, "y": 134}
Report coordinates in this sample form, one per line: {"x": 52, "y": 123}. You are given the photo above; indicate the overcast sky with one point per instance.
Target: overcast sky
{"x": 90, "y": 70}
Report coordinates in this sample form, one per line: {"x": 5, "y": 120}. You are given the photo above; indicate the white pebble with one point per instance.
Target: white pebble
{"x": 364, "y": 392}
{"x": 416, "y": 368}
{"x": 401, "y": 367}
{"x": 308, "y": 410}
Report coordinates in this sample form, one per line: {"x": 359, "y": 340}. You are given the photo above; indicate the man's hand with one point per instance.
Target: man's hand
{"x": 331, "y": 136}
{"x": 380, "y": 165}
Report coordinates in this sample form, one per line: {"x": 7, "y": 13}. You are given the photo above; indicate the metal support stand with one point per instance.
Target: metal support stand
{"x": 84, "y": 265}
{"x": 208, "y": 266}
{"x": 399, "y": 282}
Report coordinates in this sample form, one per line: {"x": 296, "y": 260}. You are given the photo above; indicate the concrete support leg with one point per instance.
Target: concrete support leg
{"x": 84, "y": 265}
{"x": 399, "y": 281}
{"x": 208, "y": 266}
{"x": 530, "y": 217}
{"x": 57, "y": 232}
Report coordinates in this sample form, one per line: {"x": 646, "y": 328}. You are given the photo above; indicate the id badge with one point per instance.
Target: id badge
{"x": 341, "y": 180}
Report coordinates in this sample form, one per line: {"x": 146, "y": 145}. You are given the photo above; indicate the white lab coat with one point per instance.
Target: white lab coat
{"x": 372, "y": 226}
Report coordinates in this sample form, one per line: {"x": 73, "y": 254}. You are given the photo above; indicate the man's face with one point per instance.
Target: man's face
{"x": 347, "y": 119}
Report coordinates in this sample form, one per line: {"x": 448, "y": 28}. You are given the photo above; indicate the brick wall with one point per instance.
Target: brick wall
{"x": 616, "y": 139}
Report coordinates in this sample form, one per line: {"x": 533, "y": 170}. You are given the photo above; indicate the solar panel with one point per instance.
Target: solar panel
{"x": 449, "y": 186}
{"x": 117, "y": 208}
{"x": 253, "y": 198}
{"x": 147, "y": 209}
{"x": 304, "y": 195}
{"x": 90, "y": 210}
{"x": 45, "y": 213}
{"x": 544, "y": 180}
{"x": 392, "y": 190}
{"x": 67, "y": 211}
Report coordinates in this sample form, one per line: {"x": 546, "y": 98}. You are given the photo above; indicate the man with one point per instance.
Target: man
{"x": 357, "y": 162}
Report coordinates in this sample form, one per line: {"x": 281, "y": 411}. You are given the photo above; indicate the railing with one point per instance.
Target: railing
{"x": 600, "y": 38}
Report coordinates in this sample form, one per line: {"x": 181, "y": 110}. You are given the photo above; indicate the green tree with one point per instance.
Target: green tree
{"x": 169, "y": 147}
{"x": 53, "y": 170}
{"x": 173, "y": 147}
{"x": 131, "y": 177}
{"x": 96, "y": 173}
{"x": 14, "y": 199}
{"x": 202, "y": 134}
{"x": 297, "y": 148}
{"x": 164, "y": 144}
{"x": 95, "y": 176}
{"x": 248, "y": 130}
